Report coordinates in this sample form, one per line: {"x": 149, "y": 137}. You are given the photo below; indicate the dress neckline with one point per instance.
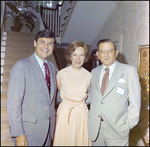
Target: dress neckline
{"x": 75, "y": 71}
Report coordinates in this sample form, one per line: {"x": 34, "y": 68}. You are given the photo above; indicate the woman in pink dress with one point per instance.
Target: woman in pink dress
{"x": 73, "y": 83}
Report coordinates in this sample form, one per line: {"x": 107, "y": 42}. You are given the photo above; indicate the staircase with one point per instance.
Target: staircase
{"x": 15, "y": 46}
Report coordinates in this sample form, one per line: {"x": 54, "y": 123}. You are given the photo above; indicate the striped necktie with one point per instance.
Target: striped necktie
{"x": 47, "y": 76}
{"x": 105, "y": 81}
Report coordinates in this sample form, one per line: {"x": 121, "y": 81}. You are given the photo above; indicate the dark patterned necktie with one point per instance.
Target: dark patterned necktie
{"x": 105, "y": 81}
{"x": 47, "y": 76}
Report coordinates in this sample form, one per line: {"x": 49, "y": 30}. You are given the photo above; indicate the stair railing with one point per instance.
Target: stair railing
{"x": 51, "y": 21}
{"x": 51, "y": 18}
{"x": 66, "y": 11}
{"x": 56, "y": 21}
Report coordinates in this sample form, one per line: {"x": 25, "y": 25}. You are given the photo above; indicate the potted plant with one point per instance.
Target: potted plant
{"x": 20, "y": 14}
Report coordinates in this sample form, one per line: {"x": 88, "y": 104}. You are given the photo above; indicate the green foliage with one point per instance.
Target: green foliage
{"x": 20, "y": 14}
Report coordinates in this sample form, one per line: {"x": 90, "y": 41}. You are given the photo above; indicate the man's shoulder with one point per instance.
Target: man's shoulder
{"x": 52, "y": 64}
{"x": 126, "y": 67}
{"x": 95, "y": 70}
{"x": 22, "y": 61}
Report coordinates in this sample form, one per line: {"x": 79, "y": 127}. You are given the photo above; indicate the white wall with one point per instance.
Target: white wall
{"x": 130, "y": 20}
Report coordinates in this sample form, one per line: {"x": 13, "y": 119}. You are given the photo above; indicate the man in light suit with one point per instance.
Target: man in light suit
{"x": 30, "y": 103}
{"x": 114, "y": 113}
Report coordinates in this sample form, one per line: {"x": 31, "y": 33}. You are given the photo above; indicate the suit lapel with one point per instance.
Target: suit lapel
{"x": 117, "y": 74}
{"x": 97, "y": 77}
{"x": 39, "y": 75}
{"x": 52, "y": 76}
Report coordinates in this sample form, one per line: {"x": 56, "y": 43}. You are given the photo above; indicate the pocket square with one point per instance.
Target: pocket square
{"x": 121, "y": 80}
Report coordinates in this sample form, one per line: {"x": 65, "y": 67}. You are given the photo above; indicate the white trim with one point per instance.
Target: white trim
{"x": 3, "y": 48}
{"x": 3, "y": 43}
{"x": 4, "y": 38}
{"x": 4, "y": 33}
{"x": 2, "y": 55}
{"x": 2, "y": 62}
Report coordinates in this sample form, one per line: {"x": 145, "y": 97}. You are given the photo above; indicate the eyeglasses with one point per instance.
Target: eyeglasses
{"x": 109, "y": 51}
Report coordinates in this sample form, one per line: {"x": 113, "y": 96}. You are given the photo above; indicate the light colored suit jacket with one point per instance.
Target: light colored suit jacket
{"x": 30, "y": 107}
{"x": 119, "y": 106}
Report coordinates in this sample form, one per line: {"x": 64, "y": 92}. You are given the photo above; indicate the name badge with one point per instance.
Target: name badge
{"x": 120, "y": 90}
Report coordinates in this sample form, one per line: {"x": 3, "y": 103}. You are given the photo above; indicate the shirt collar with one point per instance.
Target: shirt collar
{"x": 40, "y": 61}
{"x": 111, "y": 68}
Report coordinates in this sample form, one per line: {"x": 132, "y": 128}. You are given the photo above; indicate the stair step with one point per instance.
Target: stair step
{"x": 11, "y": 34}
{"x": 5, "y": 126}
{"x": 11, "y": 61}
{"x": 18, "y": 54}
{"x": 6, "y": 77}
{"x": 13, "y": 42}
{"x": 3, "y": 103}
{"x": 7, "y": 68}
{"x": 3, "y": 100}
{"x": 5, "y": 137}
{"x": 19, "y": 51}
{"x": 18, "y": 48}
{"x": 5, "y": 134}
{"x": 4, "y": 114}
{"x": 4, "y": 86}
{"x": 4, "y": 92}
{"x": 7, "y": 142}
{"x": 19, "y": 39}
{"x": 3, "y": 96}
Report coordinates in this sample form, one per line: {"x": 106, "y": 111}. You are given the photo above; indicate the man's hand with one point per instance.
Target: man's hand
{"x": 21, "y": 140}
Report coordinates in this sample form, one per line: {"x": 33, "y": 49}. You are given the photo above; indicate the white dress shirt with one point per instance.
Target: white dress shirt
{"x": 40, "y": 63}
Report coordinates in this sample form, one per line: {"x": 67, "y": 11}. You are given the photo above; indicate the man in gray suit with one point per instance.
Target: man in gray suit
{"x": 115, "y": 112}
{"x": 30, "y": 103}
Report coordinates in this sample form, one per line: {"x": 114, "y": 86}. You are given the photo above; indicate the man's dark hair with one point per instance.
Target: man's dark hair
{"x": 93, "y": 52}
{"x": 46, "y": 33}
{"x": 105, "y": 40}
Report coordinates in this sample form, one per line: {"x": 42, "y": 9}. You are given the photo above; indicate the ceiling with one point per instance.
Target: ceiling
{"x": 87, "y": 19}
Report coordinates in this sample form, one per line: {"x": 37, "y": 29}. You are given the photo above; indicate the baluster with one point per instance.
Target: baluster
{"x": 57, "y": 22}
{"x": 49, "y": 19}
{"x": 54, "y": 21}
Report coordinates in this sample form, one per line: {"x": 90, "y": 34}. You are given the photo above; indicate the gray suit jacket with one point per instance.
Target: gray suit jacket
{"x": 120, "y": 105}
{"x": 30, "y": 108}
